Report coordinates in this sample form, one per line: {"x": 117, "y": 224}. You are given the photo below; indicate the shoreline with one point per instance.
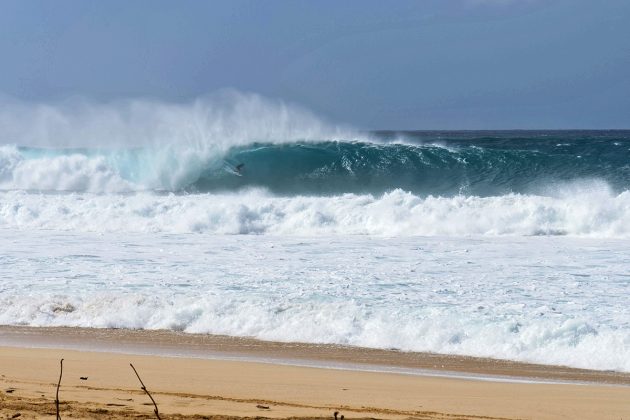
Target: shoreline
{"x": 229, "y": 378}
{"x": 167, "y": 343}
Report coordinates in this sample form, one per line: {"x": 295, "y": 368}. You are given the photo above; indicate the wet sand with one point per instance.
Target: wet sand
{"x": 199, "y": 375}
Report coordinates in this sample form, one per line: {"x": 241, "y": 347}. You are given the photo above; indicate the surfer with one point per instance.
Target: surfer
{"x": 232, "y": 168}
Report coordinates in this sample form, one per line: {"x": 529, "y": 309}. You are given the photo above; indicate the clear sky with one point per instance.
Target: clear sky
{"x": 421, "y": 64}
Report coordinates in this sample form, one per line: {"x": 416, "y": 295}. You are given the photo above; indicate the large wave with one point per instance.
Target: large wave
{"x": 446, "y": 168}
{"x": 140, "y": 145}
{"x": 78, "y": 145}
{"x": 323, "y": 168}
{"x": 112, "y": 166}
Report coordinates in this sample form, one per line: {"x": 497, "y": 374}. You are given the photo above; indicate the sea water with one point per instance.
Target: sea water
{"x": 510, "y": 245}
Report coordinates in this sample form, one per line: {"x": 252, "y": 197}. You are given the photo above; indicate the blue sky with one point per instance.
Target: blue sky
{"x": 452, "y": 64}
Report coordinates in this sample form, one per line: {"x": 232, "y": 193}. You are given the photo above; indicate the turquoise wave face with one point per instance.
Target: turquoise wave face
{"x": 424, "y": 163}
{"x": 428, "y": 165}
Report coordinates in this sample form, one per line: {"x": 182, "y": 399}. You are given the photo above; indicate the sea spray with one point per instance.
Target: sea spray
{"x": 150, "y": 144}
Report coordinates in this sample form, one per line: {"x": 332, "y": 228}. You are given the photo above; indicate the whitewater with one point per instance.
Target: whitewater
{"x": 132, "y": 214}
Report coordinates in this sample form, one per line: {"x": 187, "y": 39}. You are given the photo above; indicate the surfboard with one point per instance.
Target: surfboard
{"x": 233, "y": 169}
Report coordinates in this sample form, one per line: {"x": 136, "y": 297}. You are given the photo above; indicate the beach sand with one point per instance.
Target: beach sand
{"x": 201, "y": 376}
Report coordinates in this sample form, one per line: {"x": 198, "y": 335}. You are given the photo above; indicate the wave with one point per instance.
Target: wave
{"x": 565, "y": 341}
{"x": 551, "y": 300}
{"x": 452, "y": 168}
{"x": 141, "y": 145}
{"x": 586, "y": 209}
{"x": 319, "y": 168}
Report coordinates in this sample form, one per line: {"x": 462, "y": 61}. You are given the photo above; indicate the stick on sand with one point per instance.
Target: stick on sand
{"x": 58, "y": 385}
{"x": 144, "y": 388}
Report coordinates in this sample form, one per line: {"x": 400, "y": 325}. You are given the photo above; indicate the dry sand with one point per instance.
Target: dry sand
{"x": 193, "y": 385}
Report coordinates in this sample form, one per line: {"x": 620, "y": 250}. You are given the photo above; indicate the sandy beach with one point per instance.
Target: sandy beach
{"x": 358, "y": 210}
{"x": 197, "y": 376}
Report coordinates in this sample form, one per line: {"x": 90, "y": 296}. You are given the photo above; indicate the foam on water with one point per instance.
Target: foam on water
{"x": 131, "y": 215}
{"x": 547, "y": 300}
{"x": 595, "y": 212}
{"x": 72, "y": 172}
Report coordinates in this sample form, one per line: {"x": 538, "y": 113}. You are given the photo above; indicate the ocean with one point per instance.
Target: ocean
{"x": 502, "y": 244}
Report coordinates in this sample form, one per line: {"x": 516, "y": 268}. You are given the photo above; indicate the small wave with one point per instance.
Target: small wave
{"x": 561, "y": 340}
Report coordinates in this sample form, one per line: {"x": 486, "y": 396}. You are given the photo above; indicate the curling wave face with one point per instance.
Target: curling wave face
{"x": 134, "y": 145}
{"x": 139, "y": 145}
{"x": 473, "y": 167}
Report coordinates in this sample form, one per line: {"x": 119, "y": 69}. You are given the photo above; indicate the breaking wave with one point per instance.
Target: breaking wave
{"x": 195, "y": 147}
{"x": 234, "y": 163}
{"x": 316, "y": 168}
{"x": 586, "y": 210}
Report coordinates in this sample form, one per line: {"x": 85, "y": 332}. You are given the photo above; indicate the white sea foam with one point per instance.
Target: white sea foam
{"x": 99, "y": 247}
{"x": 549, "y": 300}
{"x": 595, "y": 213}
{"x": 68, "y": 172}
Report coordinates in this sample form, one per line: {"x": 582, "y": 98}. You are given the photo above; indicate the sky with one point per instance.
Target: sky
{"x": 445, "y": 64}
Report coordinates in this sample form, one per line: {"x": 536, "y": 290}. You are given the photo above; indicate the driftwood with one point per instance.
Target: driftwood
{"x": 144, "y": 388}
{"x": 58, "y": 385}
